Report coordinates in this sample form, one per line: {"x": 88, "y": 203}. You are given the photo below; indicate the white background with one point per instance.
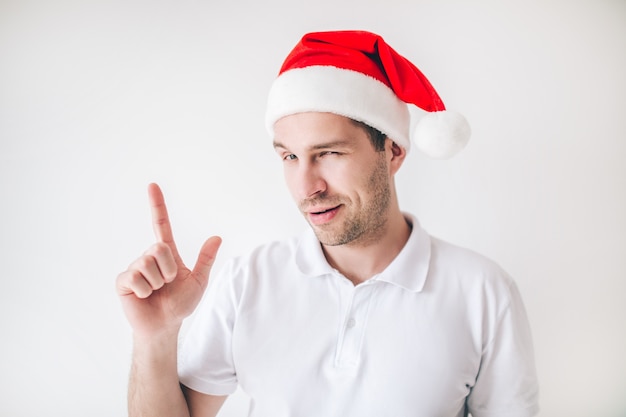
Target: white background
{"x": 97, "y": 99}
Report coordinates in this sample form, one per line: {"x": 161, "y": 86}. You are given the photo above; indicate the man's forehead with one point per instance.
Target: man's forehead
{"x": 316, "y": 130}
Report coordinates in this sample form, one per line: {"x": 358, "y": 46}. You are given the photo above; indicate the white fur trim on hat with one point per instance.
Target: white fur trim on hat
{"x": 340, "y": 91}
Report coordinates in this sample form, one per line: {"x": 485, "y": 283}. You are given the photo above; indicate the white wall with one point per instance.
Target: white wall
{"x": 97, "y": 99}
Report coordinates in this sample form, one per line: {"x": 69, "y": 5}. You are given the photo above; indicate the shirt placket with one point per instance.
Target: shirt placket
{"x": 353, "y": 324}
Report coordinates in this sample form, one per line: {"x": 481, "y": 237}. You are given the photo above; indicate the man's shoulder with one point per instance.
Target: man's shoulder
{"x": 447, "y": 250}
{"x": 271, "y": 267}
{"x": 467, "y": 264}
{"x": 273, "y": 253}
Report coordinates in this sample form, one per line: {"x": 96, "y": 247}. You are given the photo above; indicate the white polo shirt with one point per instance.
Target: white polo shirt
{"x": 441, "y": 328}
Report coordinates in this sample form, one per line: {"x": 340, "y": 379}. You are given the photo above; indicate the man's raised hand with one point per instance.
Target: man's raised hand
{"x": 157, "y": 290}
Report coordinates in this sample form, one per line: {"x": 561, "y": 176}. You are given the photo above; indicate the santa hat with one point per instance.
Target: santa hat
{"x": 357, "y": 75}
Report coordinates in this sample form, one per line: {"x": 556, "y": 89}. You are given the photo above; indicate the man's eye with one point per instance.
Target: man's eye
{"x": 289, "y": 157}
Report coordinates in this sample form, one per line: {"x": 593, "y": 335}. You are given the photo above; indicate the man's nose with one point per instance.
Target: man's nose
{"x": 309, "y": 181}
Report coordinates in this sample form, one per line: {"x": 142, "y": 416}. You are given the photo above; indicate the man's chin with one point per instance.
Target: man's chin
{"x": 327, "y": 237}
{"x": 324, "y": 236}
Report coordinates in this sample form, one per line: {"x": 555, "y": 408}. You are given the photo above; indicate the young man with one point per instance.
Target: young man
{"x": 363, "y": 315}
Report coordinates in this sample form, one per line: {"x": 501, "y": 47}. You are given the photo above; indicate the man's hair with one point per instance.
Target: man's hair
{"x": 376, "y": 136}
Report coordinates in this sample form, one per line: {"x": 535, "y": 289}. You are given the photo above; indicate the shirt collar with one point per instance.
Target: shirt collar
{"x": 408, "y": 270}
{"x": 310, "y": 257}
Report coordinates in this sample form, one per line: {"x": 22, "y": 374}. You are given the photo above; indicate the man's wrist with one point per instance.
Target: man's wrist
{"x": 156, "y": 347}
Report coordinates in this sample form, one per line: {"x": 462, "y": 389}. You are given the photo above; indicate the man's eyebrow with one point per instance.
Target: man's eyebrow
{"x": 332, "y": 144}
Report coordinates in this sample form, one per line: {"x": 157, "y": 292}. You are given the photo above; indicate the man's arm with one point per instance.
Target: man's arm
{"x": 158, "y": 292}
{"x": 153, "y": 388}
{"x": 203, "y": 405}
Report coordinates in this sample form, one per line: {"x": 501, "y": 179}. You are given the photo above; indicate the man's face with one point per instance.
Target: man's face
{"x": 341, "y": 184}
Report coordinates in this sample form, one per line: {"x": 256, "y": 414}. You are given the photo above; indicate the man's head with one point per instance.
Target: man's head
{"x": 340, "y": 173}
{"x": 357, "y": 75}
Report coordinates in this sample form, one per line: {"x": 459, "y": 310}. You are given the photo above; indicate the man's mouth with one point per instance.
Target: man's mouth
{"x": 321, "y": 216}
{"x": 323, "y": 211}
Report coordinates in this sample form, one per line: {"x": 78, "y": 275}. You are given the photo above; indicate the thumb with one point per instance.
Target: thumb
{"x": 206, "y": 258}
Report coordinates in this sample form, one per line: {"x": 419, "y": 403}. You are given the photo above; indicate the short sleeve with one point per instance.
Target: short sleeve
{"x": 205, "y": 360}
{"x": 506, "y": 385}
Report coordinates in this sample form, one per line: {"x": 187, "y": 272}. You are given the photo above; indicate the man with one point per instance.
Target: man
{"x": 363, "y": 315}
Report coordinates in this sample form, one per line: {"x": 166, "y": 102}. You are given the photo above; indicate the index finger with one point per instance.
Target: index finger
{"x": 160, "y": 218}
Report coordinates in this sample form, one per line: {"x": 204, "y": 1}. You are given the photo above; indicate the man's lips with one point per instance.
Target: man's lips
{"x": 319, "y": 216}
{"x": 321, "y": 210}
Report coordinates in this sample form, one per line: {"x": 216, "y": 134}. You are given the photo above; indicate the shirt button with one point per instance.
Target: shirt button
{"x": 351, "y": 323}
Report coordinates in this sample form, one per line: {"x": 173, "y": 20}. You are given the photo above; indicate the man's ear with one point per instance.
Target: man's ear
{"x": 398, "y": 153}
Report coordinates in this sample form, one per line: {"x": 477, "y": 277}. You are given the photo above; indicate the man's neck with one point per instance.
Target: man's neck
{"x": 360, "y": 261}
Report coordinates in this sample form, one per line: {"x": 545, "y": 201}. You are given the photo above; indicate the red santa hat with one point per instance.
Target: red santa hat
{"x": 357, "y": 75}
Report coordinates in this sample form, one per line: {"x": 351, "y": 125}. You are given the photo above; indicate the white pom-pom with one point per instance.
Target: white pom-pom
{"x": 442, "y": 134}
